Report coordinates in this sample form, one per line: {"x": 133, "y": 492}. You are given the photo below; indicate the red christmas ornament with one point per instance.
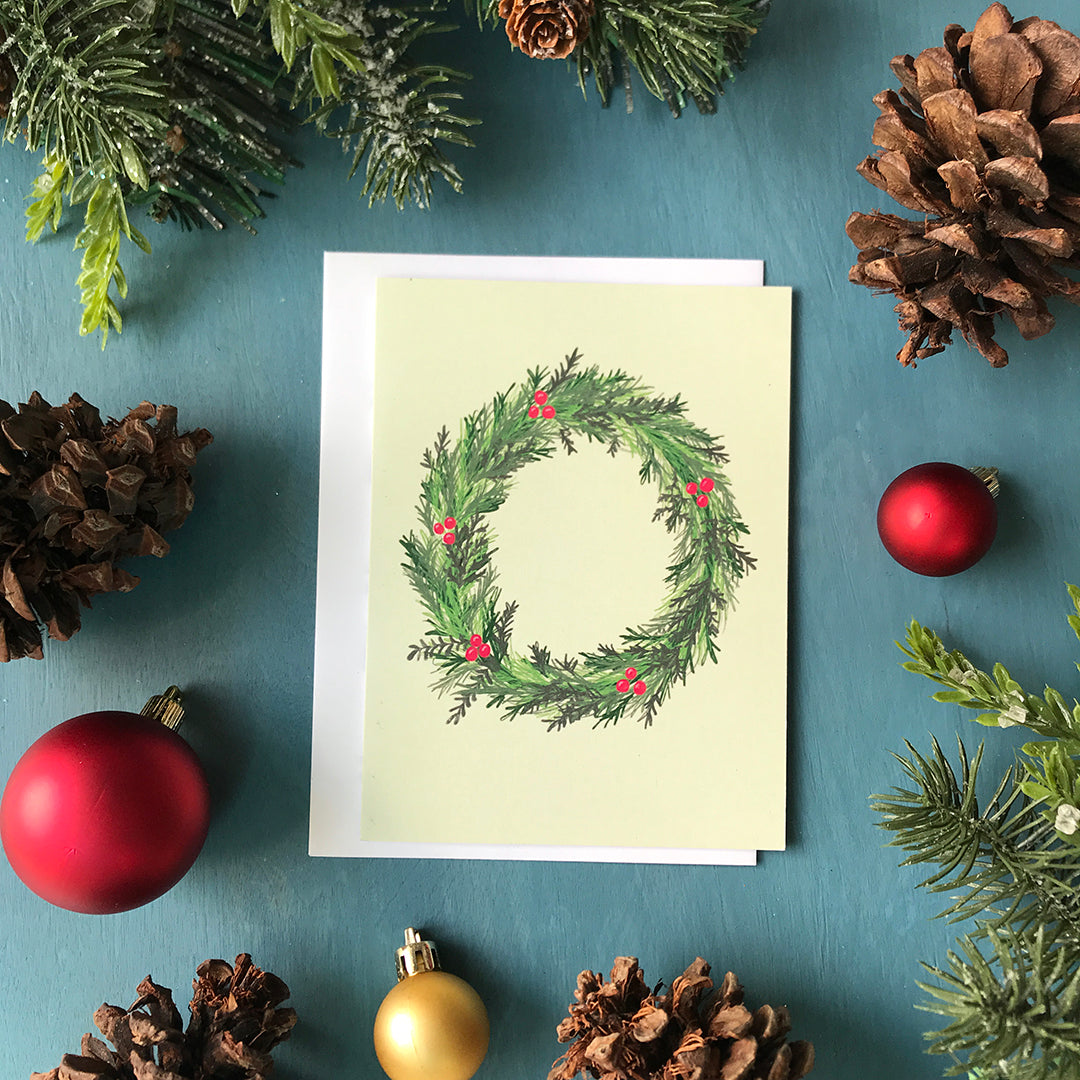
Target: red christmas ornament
{"x": 691, "y": 488}
{"x": 471, "y": 653}
{"x": 448, "y": 538}
{"x": 450, "y": 523}
{"x": 540, "y": 397}
{"x": 107, "y": 811}
{"x": 702, "y": 501}
{"x": 548, "y": 412}
{"x": 639, "y": 688}
{"x": 631, "y": 672}
{"x": 623, "y": 686}
{"x": 485, "y": 651}
{"x": 707, "y": 484}
{"x": 534, "y": 411}
{"x": 938, "y": 519}
{"x": 476, "y": 640}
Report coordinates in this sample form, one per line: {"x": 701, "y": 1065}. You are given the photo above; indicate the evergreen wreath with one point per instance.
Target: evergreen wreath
{"x": 179, "y": 107}
{"x": 448, "y": 563}
{"x": 1011, "y": 992}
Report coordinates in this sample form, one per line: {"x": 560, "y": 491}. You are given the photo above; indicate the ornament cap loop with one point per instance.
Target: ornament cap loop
{"x": 989, "y": 476}
{"x": 415, "y": 956}
{"x": 168, "y": 708}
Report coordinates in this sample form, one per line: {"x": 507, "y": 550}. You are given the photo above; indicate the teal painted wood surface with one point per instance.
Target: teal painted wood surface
{"x": 228, "y": 328}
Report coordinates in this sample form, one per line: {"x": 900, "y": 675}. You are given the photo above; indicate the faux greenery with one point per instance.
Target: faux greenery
{"x": 180, "y": 107}
{"x": 1010, "y": 864}
{"x": 466, "y": 481}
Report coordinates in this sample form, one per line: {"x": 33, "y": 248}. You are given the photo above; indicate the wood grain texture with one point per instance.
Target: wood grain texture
{"x": 227, "y": 328}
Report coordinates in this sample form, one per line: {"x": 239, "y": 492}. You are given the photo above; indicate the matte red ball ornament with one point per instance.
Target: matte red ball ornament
{"x": 106, "y": 811}
{"x": 938, "y": 519}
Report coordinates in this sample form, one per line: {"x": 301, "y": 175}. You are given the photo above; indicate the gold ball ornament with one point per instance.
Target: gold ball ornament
{"x": 432, "y": 1025}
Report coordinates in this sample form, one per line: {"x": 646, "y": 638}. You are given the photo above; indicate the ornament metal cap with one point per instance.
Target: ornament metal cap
{"x": 989, "y": 476}
{"x": 168, "y": 708}
{"x": 415, "y": 956}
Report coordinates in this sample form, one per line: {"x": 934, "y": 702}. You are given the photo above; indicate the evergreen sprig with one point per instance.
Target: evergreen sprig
{"x": 457, "y": 586}
{"x": 184, "y": 103}
{"x": 680, "y": 50}
{"x": 393, "y": 114}
{"x": 1012, "y": 990}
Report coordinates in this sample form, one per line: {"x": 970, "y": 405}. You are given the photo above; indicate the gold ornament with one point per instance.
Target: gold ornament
{"x": 432, "y": 1025}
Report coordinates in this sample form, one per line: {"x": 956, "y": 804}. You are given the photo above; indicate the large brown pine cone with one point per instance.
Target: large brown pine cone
{"x": 546, "y": 29}
{"x": 77, "y": 495}
{"x": 983, "y": 143}
{"x": 622, "y": 1030}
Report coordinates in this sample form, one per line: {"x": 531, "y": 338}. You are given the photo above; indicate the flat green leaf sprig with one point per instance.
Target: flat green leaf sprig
{"x": 1050, "y": 767}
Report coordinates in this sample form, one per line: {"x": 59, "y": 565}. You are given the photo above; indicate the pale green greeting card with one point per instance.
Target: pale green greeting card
{"x": 577, "y": 616}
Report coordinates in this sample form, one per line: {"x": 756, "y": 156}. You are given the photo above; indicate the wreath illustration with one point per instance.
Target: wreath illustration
{"x": 448, "y": 563}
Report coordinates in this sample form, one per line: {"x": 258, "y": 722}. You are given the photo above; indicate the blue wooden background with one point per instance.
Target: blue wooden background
{"x": 228, "y": 328}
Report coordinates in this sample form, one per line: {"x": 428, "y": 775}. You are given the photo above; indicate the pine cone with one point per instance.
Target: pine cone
{"x": 546, "y": 29}
{"x": 983, "y": 142}
{"x": 76, "y": 496}
{"x": 234, "y": 1023}
{"x": 620, "y": 1030}
{"x": 234, "y": 1019}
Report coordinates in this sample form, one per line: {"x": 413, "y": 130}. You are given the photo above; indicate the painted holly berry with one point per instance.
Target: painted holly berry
{"x": 485, "y": 651}
{"x": 476, "y": 640}
{"x": 471, "y": 653}
{"x": 707, "y": 483}
{"x": 534, "y": 411}
{"x": 691, "y": 488}
{"x": 631, "y": 672}
{"x": 623, "y": 685}
{"x": 450, "y": 523}
{"x": 540, "y": 397}
{"x": 702, "y": 500}
{"x": 548, "y": 412}
{"x": 448, "y": 538}
{"x": 639, "y": 688}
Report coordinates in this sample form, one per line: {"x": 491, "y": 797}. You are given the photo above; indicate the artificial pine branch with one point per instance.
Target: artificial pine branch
{"x": 680, "y": 49}
{"x": 180, "y": 105}
{"x": 392, "y": 110}
{"x": 1012, "y": 991}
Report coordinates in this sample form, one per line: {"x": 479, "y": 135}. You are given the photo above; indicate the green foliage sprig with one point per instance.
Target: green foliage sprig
{"x": 184, "y": 103}
{"x": 470, "y": 478}
{"x": 1011, "y": 992}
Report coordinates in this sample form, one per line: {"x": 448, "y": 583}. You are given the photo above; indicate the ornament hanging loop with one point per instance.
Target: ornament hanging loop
{"x": 989, "y": 476}
{"x": 415, "y": 956}
{"x": 167, "y": 708}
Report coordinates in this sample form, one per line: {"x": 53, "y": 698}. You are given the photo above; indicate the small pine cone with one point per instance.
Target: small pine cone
{"x": 77, "y": 495}
{"x": 546, "y": 29}
{"x": 983, "y": 143}
{"x": 620, "y": 1030}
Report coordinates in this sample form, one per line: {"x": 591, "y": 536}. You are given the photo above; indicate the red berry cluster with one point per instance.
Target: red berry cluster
{"x": 445, "y": 529}
{"x": 541, "y": 407}
{"x": 704, "y": 488}
{"x": 478, "y": 647}
{"x": 623, "y": 685}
